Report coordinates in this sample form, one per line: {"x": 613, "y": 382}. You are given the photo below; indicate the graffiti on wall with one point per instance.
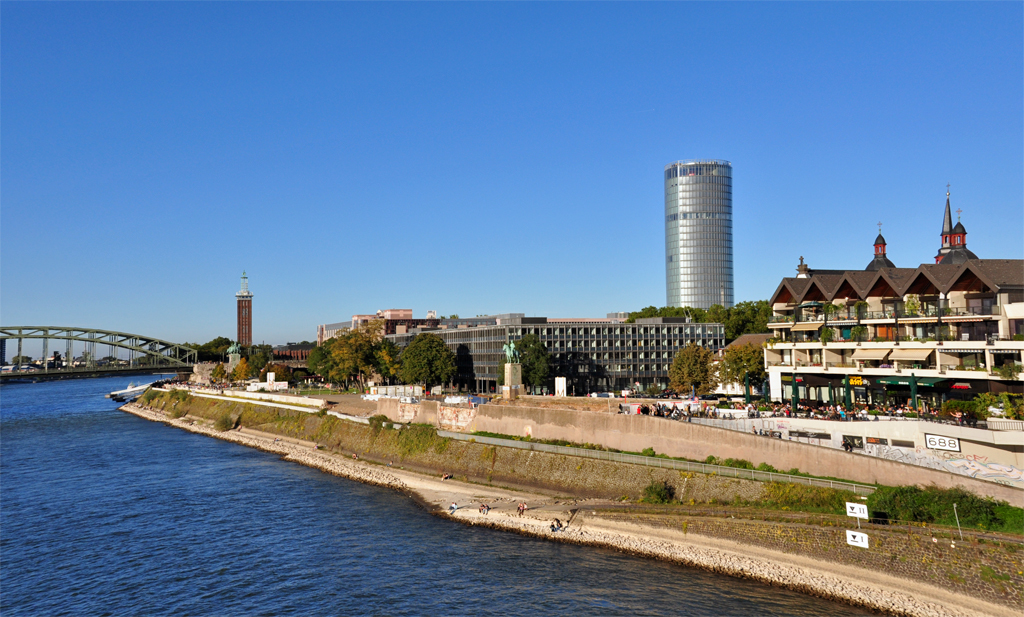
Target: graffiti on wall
{"x": 971, "y": 465}
{"x": 454, "y": 418}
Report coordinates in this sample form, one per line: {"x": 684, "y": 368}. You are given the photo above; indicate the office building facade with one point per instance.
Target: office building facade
{"x": 698, "y": 233}
{"x": 592, "y": 354}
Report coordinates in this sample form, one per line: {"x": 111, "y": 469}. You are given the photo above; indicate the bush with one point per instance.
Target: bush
{"x": 659, "y": 492}
{"x": 378, "y": 422}
{"x": 648, "y": 452}
{"x": 805, "y": 498}
{"x": 178, "y": 413}
{"x": 148, "y": 396}
{"x": 935, "y": 505}
{"x": 225, "y": 422}
{"x": 964, "y": 407}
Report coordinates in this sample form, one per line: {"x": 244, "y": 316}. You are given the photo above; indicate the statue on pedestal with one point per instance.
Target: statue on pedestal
{"x": 511, "y": 353}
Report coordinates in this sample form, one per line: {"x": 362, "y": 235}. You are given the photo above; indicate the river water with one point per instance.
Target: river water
{"x": 106, "y": 513}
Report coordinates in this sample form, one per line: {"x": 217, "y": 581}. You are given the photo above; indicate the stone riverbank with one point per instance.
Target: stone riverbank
{"x": 586, "y": 526}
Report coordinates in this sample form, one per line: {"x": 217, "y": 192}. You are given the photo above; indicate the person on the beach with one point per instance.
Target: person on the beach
{"x": 452, "y": 508}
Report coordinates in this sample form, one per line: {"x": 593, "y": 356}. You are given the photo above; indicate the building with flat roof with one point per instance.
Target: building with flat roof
{"x": 593, "y": 354}
{"x": 698, "y": 233}
{"x": 950, "y": 329}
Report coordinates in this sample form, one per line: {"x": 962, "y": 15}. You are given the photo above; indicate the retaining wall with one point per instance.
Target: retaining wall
{"x": 634, "y": 433}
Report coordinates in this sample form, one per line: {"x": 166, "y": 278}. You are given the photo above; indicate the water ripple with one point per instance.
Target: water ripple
{"x": 108, "y": 514}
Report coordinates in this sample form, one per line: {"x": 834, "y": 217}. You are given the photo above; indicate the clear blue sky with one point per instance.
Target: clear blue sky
{"x": 478, "y": 157}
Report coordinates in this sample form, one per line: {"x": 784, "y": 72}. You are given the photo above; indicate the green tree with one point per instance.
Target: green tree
{"x": 212, "y": 351}
{"x": 427, "y": 360}
{"x": 259, "y": 356}
{"x": 282, "y": 372}
{"x": 747, "y": 318}
{"x": 21, "y": 359}
{"x": 743, "y": 318}
{"x": 218, "y": 374}
{"x": 387, "y": 360}
{"x": 693, "y": 367}
{"x": 319, "y": 360}
{"x": 536, "y": 360}
{"x": 739, "y": 360}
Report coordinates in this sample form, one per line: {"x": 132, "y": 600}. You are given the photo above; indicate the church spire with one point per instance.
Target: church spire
{"x": 947, "y": 221}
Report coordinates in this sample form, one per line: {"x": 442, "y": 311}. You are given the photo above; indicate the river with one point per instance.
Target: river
{"x": 106, "y": 513}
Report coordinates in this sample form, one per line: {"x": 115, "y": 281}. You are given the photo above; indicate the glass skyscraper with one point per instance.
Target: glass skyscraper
{"x": 698, "y": 233}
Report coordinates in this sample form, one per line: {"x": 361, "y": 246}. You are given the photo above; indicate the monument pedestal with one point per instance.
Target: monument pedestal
{"x": 513, "y": 382}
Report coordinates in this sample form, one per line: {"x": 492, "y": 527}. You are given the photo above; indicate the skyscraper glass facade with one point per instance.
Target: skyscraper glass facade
{"x": 698, "y": 233}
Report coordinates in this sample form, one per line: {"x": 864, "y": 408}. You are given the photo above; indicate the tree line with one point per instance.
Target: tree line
{"x": 355, "y": 356}
{"x": 743, "y": 318}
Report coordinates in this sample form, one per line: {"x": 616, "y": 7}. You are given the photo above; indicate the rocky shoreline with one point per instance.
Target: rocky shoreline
{"x": 850, "y": 585}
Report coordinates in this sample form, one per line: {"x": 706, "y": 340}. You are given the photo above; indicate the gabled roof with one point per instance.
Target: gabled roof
{"x": 973, "y": 274}
{"x": 746, "y": 339}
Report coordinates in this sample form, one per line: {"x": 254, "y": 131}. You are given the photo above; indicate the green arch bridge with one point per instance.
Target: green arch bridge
{"x": 145, "y": 353}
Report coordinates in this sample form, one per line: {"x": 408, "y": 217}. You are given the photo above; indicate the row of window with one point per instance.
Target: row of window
{"x": 684, "y": 171}
{"x": 699, "y": 215}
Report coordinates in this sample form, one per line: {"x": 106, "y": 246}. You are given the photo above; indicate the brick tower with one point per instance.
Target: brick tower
{"x": 244, "y": 313}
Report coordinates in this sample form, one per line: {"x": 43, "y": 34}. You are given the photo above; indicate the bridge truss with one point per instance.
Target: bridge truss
{"x": 143, "y": 351}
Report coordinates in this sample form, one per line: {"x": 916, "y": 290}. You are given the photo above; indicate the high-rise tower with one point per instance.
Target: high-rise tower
{"x": 244, "y": 313}
{"x": 698, "y": 233}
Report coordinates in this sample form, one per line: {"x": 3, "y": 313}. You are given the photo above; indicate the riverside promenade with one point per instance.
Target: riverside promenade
{"x": 595, "y": 522}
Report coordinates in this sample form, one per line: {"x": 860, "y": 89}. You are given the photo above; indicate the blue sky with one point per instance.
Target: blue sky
{"x": 476, "y": 158}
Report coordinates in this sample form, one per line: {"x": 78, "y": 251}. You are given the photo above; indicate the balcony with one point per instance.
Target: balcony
{"x": 971, "y": 311}
{"x": 884, "y": 314}
{"x": 780, "y": 319}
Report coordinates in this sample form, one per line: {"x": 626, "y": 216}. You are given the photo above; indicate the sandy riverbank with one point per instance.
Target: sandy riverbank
{"x": 830, "y": 580}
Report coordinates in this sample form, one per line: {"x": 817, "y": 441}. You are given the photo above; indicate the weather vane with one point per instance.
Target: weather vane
{"x": 879, "y": 226}
{"x": 947, "y": 189}
{"x": 958, "y": 211}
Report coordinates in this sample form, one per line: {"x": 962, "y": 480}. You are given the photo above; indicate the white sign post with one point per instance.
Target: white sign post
{"x": 856, "y": 538}
{"x": 858, "y": 511}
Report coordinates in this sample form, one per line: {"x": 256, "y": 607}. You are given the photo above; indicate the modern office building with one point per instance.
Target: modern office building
{"x": 244, "y": 298}
{"x": 593, "y": 354}
{"x": 698, "y": 233}
{"x": 944, "y": 330}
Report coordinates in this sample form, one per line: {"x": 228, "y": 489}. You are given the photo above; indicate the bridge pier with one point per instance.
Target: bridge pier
{"x": 46, "y": 352}
{"x": 19, "y": 354}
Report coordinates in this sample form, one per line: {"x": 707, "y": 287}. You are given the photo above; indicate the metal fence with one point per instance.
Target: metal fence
{"x": 651, "y": 461}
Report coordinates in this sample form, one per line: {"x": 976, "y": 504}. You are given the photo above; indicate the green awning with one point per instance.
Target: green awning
{"x": 905, "y": 381}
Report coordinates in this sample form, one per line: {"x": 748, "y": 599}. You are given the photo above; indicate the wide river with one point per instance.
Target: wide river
{"x": 104, "y": 513}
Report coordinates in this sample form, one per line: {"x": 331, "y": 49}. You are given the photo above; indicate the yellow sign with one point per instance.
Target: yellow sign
{"x": 856, "y": 380}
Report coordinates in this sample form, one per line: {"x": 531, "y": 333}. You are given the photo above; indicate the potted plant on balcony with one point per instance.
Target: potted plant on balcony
{"x": 858, "y": 332}
{"x": 826, "y": 335}
{"x": 862, "y": 308}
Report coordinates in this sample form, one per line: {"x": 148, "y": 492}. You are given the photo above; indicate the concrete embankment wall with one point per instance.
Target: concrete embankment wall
{"x": 420, "y": 449}
{"x": 634, "y": 433}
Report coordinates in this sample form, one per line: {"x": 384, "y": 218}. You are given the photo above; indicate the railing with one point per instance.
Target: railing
{"x": 780, "y": 319}
{"x": 879, "y": 314}
{"x": 976, "y": 310}
{"x": 998, "y": 424}
{"x": 665, "y": 463}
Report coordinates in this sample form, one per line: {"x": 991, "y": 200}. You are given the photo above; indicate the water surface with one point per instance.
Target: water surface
{"x": 106, "y": 513}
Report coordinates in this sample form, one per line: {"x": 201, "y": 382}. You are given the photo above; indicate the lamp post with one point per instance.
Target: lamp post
{"x": 913, "y": 392}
